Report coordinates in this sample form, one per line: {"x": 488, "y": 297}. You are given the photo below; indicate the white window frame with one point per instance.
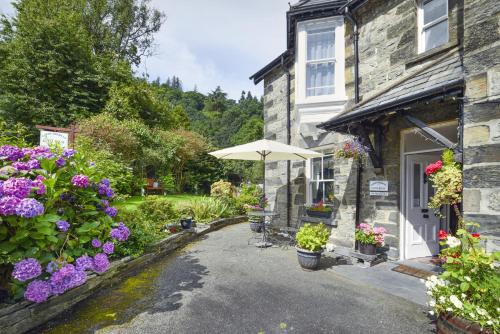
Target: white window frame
{"x": 310, "y": 180}
{"x": 337, "y": 22}
{"x": 422, "y": 28}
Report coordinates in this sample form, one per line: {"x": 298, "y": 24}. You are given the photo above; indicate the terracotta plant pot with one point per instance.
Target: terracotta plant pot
{"x": 319, "y": 214}
{"x": 449, "y": 324}
{"x": 308, "y": 260}
{"x": 369, "y": 249}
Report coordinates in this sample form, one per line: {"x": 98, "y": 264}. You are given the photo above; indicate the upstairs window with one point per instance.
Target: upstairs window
{"x": 433, "y": 24}
{"x": 320, "y": 62}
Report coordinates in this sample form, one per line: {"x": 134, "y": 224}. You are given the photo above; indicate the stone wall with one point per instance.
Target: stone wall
{"x": 482, "y": 117}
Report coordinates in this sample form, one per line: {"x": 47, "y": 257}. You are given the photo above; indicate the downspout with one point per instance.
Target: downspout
{"x": 288, "y": 141}
{"x": 354, "y": 23}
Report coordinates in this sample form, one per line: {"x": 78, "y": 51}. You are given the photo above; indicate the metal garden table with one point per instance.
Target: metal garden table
{"x": 263, "y": 214}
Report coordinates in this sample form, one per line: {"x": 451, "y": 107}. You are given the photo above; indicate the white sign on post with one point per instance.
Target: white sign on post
{"x": 49, "y": 138}
{"x": 379, "y": 188}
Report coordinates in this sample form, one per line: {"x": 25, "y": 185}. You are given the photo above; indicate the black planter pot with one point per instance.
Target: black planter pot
{"x": 256, "y": 226}
{"x": 369, "y": 249}
{"x": 319, "y": 214}
{"x": 308, "y": 260}
{"x": 186, "y": 223}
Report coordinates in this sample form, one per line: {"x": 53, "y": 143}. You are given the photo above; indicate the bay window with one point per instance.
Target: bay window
{"x": 320, "y": 60}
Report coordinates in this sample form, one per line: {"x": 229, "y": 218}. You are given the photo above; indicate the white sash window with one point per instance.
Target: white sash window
{"x": 433, "y": 24}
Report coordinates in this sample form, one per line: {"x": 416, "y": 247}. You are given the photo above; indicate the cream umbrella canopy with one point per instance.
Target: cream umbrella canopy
{"x": 265, "y": 150}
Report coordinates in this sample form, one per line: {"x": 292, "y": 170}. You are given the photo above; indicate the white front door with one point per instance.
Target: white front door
{"x": 421, "y": 230}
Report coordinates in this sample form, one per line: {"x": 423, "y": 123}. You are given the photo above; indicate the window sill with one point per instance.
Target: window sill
{"x": 430, "y": 53}
{"x": 321, "y": 100}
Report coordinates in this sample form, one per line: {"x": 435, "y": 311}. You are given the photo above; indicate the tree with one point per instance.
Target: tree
{"x": 123, "y": 28}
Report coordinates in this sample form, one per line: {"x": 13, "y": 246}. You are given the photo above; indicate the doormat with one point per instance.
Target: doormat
{"x": 419, "y": 273}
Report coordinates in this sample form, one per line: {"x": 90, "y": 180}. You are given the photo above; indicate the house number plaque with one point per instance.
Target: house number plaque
{"x": 379, "y": 188}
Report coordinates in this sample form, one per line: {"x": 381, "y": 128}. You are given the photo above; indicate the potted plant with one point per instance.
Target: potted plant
{"x": 369, "y": 238}
{"x": 352, "y": 149}
{"x": 310, "y": 242}
{"x": 319, "y": 210}
{"x": 186, "y": 223}
{"x": 256, "y": 222}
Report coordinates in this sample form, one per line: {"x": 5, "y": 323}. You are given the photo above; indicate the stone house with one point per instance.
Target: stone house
{"x": 409, "y": 78}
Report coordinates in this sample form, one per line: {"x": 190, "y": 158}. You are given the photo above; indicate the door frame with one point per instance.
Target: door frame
{"x": 402, "y": 181}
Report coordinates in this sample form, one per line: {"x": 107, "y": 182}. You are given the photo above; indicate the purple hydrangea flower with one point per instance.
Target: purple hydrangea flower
{"x": 29, "y": 208}
{"x": 121, "y": 233}
{"x": 51, "y": 267}
{"x": 63, "y": 225}
{"x": 60, "y": 162}
{"x": 66, "y": 278}
{"x": 19, "y": 187}
{"x": 20, "y": 165}
{"x": 96, "y": 243}
{"x": 104, "y": 203}
{"x": 8, "y": 205}
{"x": 111, "y": 211}
{"x": 84, "y": 262}
{"x": 105, "y": 190}
{"x": 33, "y": 164}
{"x": 1, "y": 189}
{"x": 68, "y": 153}
{"x": 12, "y": 153}
{"x": 106, "y": 182}
{"x": 38, "y": 291}
{"x": 27, "y": 269}
{"x": 40, "y": 152}
{"x": 80, "y": 181}
{"x": 101, "y": 263}
{"x": 41, "y": 189}
{"x": 108, "y": 247}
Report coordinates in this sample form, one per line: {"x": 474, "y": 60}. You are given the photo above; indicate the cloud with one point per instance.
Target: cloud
{"x": 211, "y": 43}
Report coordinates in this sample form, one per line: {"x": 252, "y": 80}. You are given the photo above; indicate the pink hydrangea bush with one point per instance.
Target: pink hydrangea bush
{"x": 57, "y": 224}
{"x": 369, "y": 235}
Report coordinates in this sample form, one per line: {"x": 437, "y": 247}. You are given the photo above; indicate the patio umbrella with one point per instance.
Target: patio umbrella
{"x": 265, "y": 150}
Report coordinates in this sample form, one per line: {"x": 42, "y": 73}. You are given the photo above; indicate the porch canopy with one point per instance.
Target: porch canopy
{"x": 441, "y": 78}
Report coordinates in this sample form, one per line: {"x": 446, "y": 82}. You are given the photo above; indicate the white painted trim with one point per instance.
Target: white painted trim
{"x": 402, "y": 181}
{"x": 300, "y": 61}
{"x": 420, "y": 23}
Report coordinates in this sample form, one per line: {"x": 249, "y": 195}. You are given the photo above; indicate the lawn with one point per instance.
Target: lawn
{"x": 132, "y": 202}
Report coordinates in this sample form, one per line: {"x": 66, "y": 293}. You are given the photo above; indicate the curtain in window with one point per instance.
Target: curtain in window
{"x": 320, "y": 70}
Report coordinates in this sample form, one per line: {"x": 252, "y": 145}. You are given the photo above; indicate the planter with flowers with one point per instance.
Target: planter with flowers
{"x": 319, "y": 210}
{"x": 311, "y": 239}
{"x": 352, "y": 149}
{"x": 256, "y": 220}
{"x": 369, "y": 238}
{"x": 465, "y": 296}
{"x": 56, "y": 222}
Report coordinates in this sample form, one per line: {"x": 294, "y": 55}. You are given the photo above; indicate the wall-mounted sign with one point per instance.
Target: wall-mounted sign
{"x": 50, "y": 138}
{"x": 379, "y": 188}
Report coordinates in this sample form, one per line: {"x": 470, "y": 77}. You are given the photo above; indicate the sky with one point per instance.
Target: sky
{"x": 208, "y": 43}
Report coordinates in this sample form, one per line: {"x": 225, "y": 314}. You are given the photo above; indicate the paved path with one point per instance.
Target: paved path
{"x": 222, "y": 285}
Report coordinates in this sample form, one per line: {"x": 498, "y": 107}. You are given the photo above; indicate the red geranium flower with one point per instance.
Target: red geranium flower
{"x": 443, "y": 235}
{"x": 476, "y": 235}
{"x": 432, "y": 168}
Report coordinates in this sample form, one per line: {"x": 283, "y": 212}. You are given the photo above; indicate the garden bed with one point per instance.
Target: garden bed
{"x": 25, "y": 315}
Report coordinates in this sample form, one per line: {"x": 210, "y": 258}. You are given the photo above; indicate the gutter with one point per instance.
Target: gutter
{"x": 288, "y": 141}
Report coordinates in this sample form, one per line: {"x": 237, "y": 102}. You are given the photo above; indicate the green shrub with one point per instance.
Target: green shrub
{"x": 206, "y": 209}
{"x": 222, "y": 189}
{"x": 312, "y": 237}
{"x": 168, "y": 183}
{"x": 159, "y": 209}
{"x": 250, "y": 194}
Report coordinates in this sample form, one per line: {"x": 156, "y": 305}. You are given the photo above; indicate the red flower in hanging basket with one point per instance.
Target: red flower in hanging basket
{"x": 476, "y": 235}
{"x": 443, "y": 235}
{"x": 433, "y": 168}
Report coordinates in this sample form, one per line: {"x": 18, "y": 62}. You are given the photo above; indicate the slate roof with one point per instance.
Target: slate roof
{"x": 441, "y": 77}
{"x": 311, "y": 3}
